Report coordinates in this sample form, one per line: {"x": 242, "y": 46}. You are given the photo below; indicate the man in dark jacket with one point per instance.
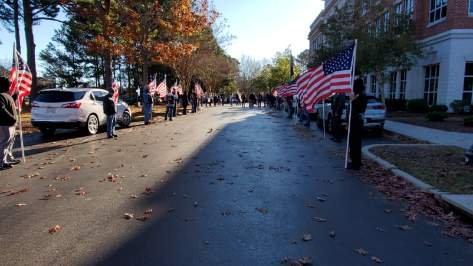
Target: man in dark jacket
{"x": 8, "y": 118}
{"x": 358, "y": 108}
{"x": 110, "y": 110}
{"x": 185, "y": 102}
{"x": 337, "y": 110}
{"x": 170, "y": 100}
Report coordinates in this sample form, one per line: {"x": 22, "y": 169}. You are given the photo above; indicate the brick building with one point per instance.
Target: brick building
{"x": 444, "y": 30}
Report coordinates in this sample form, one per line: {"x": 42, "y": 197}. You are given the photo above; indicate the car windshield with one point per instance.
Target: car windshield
{"x": 59, "y": 96}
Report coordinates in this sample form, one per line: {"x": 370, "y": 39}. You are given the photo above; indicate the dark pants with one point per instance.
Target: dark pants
{"x": 184, "y": 109}
{"x": 337, "y": 127}
{"x": 174, "y": 110}
{"x": 169, "y": 113}
{"x": 194, "y": 107}
{"x": 356, "y": 131}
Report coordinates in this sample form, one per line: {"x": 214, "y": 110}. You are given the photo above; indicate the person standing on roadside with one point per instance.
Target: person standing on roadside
{"x": 185, "y": 102}
{"x": 8, "y": 118}
{"x": 337, "y": 110}
{"x": 147, "y": 105}
{"x": 358, "y": 108}
{"x": 176, "y": 99}
{"x": 169, "y": 106}
{"x": 110, "y": 110}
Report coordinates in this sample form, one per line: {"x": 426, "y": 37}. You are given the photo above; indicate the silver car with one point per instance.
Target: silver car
{"x": 373, "y": 118}
{"x": 74, "y": 108}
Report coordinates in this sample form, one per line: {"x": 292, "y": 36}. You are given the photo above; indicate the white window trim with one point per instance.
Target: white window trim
{"x": 440, "y": 19}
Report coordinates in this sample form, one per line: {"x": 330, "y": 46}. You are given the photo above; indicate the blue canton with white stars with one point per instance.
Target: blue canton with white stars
{"x": 340, "y": 62}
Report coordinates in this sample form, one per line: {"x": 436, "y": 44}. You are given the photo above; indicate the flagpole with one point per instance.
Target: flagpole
{"x": 323, "y": 116}
{"x": 18, "y": 105}
{"x": 349, "y": 115}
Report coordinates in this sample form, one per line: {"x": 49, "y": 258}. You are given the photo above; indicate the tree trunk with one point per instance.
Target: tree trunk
{"x": 108, "y": 71}
{"x": 16, "y": 18}
{"x": 145, "y": 77}
{"x": 30, "y": 45}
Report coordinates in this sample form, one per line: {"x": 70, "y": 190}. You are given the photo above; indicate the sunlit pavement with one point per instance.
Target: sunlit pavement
{"x": 226, "y": 187}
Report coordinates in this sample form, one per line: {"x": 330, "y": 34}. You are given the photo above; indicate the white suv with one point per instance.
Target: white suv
{"x": 74, "y": 108}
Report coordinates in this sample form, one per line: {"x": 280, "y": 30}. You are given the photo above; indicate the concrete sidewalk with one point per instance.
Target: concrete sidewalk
{"x": 462, "y": 140}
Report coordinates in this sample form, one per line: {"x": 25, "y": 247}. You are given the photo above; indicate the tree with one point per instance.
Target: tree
{"x": 381, "y": 48}
{"x": 303, "y": 59}
{"x": 66, "y": 59}
{"x": 10, "y": 16}
{"x": 34, "y": 11}
{"x": 158, "y": 31}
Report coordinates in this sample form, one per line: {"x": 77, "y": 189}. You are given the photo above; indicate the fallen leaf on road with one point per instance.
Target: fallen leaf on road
{"x": 262, "y": 210}
{"x": 388, "y": 211}
{"x": 307, "y": 237}
{"x": 319, "y": 219}
{"x": 15, "y": 192}
{"x": 75, "y": 168}
{"x": 321, "y": 199}
{"x": 54, "y": 229}
{"x": 20, "y": 204}
{"x": 148, "y": 190}
{"x": 133, "y": 196}
{"x": 303, "y": 261}
{"x": 376, "y": 259}
{"x": 145, "y": 156}
{"x": 128, "y": 216}
{"x": 143, "y": 218}
{"x": 361, "y": 251}
{"x": 332, "y": 234}
{"x": 171, "y": 210}
{"x": 380, "y": 229}
{"x": 221, "y": 178}
{"x": 210, "y": 131}
{"x": 404, "y": 227}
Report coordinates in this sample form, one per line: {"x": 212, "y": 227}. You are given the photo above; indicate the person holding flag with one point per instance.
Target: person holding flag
{"x": 110, "y": 110}
{"x": 8, "y": 119}
{"x": 358, "y": 108}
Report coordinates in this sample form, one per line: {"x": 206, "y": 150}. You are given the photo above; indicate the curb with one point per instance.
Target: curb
{"x": 444, "y": 196}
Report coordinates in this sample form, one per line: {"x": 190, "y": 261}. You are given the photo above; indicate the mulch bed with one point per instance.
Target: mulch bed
{"x": 453, "y": 123}
{"x": 417, "y": 202}
{"x": 440, "y": 166}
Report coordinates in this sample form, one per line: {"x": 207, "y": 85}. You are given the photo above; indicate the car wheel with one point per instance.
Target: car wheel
{"x": 93, "y": 124}
{"x": 47, "y": 131}
{"x": 126, "y": 119}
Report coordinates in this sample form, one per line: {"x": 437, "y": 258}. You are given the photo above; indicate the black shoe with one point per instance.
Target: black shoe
{"x": 109, "y": 137}
{"x": 14, "y": 161}
{"x": 115, "y": 135}
{"x": 353, "y": 167}
{"x": 146, "y": 123}
{"x": 5, "y": 166}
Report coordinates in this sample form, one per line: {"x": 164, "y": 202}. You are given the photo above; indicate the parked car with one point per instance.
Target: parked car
{"x": 74, "y": 108}
{"x": 373, "y": 118}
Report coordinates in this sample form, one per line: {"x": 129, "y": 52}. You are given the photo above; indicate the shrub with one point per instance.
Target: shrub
{"x": 417, "y": 106}
{"x": 436, "y": 116}
{"x": 468, "y": 122}
{"x": 457, "y": 106}
{"x": 395, "y": 105}
{"x": 438, "y": 108}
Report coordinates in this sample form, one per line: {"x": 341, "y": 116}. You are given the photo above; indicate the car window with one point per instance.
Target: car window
{"x": 59, "y": 96}
{"x": 92, "y": 97}
{"x": 99, "y": 95}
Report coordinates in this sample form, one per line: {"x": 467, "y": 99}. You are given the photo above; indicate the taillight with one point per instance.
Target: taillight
{"x": 71, "y": 105}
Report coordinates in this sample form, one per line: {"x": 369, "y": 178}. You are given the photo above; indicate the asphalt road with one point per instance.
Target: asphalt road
{"x": 226, "y": 187}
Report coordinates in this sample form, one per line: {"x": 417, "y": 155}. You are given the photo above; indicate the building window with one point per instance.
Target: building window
{"x": 392, "y": 85}
{"x": 398, "y": 13}
{"x": 409, "y": 7}
{"x": 438, "y": 10}
{"x": 470, "y": 7}
{"x": 379, "y": 25}
{"x": 431, "y": 83}
{"x": 403, "y": 85}
{"x": 468, "y": 83}
{"x": 364, "y": 7}
{"x": 373, "y": 85}
{"x": 386, "y": 21}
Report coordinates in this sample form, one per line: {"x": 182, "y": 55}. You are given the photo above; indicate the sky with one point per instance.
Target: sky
{"x": 261, "y": 28}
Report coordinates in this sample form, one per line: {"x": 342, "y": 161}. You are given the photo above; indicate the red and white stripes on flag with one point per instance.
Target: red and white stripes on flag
{"x": 333, "y": 76}
{"x": 198, "y": 89}
{"x": 20, "y": 78}
{"x": 288, "y": 90}
{"x": 162, "y": 88}
{"x": 116, "y": 91}
{"x": 177, "y": 89}
{"x": 303, "y": 80}
{"x": 152, "y": 86}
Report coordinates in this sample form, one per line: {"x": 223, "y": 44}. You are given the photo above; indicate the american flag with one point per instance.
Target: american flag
{"x": 288, "y": 90}
{"x": 198, "y": 89}
{"x": 162, "y": 88}
{"x": 177, "y": 89}
{"x": 20, "y": 78}
{"x": 116, "y": 91}
{"x": 303, "y": 80}
{"x": 152, "y": 86}
{"x": 333, "y": 76}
